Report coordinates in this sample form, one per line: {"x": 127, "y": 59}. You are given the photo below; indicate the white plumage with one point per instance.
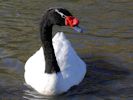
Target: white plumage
{"x": 72, "y": 68}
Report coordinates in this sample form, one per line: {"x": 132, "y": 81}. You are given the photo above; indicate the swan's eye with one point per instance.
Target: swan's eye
{"x": 63, "y": 16}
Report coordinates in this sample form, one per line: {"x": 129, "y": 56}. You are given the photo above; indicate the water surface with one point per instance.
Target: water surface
{"x": 106, "y": 47}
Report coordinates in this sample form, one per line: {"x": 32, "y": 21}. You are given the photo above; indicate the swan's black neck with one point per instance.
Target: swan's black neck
{"x": 46, "y": 38}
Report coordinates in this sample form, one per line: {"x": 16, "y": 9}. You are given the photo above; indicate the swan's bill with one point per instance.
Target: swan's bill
{"x": 78, "y": 29}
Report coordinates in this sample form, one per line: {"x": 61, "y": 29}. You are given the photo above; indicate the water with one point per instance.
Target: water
{"x": 106, "y": 47}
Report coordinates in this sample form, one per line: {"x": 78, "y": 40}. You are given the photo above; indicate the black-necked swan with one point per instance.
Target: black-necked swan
{"x": 55, "y": 67}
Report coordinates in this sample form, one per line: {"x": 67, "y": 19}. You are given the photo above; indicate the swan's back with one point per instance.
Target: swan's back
{"x": 72, "y": 68}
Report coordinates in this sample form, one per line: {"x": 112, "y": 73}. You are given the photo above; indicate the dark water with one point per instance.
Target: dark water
{"x": 106, "y": 47}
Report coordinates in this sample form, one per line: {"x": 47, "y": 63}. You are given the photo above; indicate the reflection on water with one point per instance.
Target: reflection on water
{"x": 106, "y": 47}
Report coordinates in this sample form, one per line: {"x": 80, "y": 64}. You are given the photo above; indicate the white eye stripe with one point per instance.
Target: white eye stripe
{"x": 60, "y": 13}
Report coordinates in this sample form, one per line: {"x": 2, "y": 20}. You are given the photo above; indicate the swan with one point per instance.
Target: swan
{"x": 55, "y": 67}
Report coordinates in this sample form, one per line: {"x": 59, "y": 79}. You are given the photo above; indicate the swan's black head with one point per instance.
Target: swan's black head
{"x": 61, "y": 17}
{"x": 54, "y": 15}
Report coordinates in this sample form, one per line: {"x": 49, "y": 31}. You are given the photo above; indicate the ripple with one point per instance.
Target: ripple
{"x": 106, "y": 46}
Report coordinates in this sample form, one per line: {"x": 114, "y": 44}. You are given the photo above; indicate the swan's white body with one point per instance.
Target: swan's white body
{"x": 72, "y": 68}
